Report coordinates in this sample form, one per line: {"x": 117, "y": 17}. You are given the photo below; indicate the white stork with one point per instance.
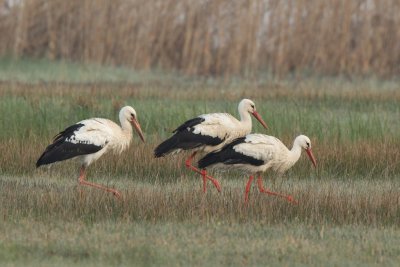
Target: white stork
{"x": 209, "y": 132}
{"x": 90, "y": 139}
{"x": 257, "y": 153}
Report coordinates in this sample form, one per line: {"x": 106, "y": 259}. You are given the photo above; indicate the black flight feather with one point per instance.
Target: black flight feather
{"x": 61, "y": 149}
{"x": 185, "y": 139}
{"x": 228, "y": 156}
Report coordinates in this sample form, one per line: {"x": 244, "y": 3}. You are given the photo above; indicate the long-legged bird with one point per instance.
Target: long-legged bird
{"x": 256, "y": 153}
{"x": 209, "y": 132}
{"x": 90, "y": 139}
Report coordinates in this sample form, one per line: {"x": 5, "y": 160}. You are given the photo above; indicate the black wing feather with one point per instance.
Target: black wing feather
{"x": 189, "y": 124}
{"x": 228, "y": 156}
{"x": 185, "y": 139}
{"x": 61, "y": 149}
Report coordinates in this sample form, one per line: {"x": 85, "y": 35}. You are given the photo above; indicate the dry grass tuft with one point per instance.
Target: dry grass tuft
{"x": 320, "y": 202}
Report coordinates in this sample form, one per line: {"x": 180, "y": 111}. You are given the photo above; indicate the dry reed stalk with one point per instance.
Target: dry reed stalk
{"x": 211, "y": 37}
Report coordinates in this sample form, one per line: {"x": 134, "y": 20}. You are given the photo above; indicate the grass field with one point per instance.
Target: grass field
{"x": 348, "y": 212}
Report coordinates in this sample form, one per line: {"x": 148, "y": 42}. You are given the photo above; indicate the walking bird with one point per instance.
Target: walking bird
{"x": 256, "y": 153}
{"x": 209, "y": 132}
{"x": 90, "y": 139}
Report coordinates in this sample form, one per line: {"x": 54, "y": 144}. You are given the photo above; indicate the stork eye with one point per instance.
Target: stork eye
{"x": 308, "y": 144}
{"x": 252, "y": 106}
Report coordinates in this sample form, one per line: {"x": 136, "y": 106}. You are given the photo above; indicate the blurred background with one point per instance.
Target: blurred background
{"x": 210, "y": 37}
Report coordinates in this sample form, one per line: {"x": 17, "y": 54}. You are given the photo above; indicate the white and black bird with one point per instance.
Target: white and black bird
{"x": 209, "y": 132}
{"x": 256, "y": 153}
{"x": 90, "y": 139}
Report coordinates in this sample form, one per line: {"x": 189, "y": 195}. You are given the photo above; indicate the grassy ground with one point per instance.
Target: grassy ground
{"x": 190, "y": 244}
{"x": 348, "y": 212}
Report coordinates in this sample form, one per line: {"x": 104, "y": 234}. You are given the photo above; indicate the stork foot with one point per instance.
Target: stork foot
{"x": 217, "y": 185}
{"x": 288, "y": 198}
{"x": 82, "y": 181}
{"x": 292, "y": 200}
{"x": 116, "y": 194}
{"x": 267, "y": 191}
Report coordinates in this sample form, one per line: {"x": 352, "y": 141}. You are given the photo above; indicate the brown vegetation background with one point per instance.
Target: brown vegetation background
{"x": 210, "y": 37}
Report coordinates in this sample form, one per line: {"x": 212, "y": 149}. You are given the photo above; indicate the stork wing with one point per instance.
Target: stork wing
{"x": 84, "y": 137}
{"x": 258, "y": 146}
{"x": 244, "y": 150}
{"x": 95, "y": 132}
{"x": 217, "y": 125}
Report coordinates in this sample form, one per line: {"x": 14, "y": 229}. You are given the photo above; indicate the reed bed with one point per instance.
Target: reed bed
{"x": 219, "y": 37}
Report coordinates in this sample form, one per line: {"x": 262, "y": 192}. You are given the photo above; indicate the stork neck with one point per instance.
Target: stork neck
{"x": 294, "y": 153}
{"x": 126, "y": 125}
{"x": 245, "y": 119}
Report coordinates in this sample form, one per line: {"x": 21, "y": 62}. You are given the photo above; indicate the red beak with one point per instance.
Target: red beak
{"x": 258, "y": 117}
{"x": 311, "y": 156}
{"x": 138, "y": 129}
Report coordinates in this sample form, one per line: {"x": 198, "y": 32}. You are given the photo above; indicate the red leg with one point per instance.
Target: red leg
{"x": 204, "y": 174}
{"x": 213, "y": 180}
{"x": 266, "y": 191}
{"x": 189, "y": 165}
{"x": 248, "y": 186}
{"x": 82, "y": 181}
{"x": 188, "y": 162}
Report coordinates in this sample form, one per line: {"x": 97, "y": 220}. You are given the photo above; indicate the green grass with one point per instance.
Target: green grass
{"x": 348, "y": 212}
{"x": 324, "y": 121}
{"x": 194, "y": 244}
{"x": 35, "y": 71}
{"x": 48, "y": 221}
{"x": 346, "y": 134}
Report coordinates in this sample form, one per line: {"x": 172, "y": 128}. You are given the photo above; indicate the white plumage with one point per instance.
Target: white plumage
{"x": 257, "y": 153}
{"x": 222, "y": 126}
{"x": 102, "y": 133}
{"x": 89, "y": 139}
{"x": 209, "y": 132}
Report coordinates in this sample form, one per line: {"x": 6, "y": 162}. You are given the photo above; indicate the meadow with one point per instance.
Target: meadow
{"x": 348, "y": 211}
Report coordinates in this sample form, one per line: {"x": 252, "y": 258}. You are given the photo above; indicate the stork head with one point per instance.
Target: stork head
{"x": 127, "y": 113}
{"x": 246, "y": 105}
{"x": 304, "y": 142}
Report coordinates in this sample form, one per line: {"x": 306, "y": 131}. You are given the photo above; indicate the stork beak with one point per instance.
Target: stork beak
{"x": 311, "y": 156}
{"x": 258, "y": 117}
{"x": 138, "y": 129}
